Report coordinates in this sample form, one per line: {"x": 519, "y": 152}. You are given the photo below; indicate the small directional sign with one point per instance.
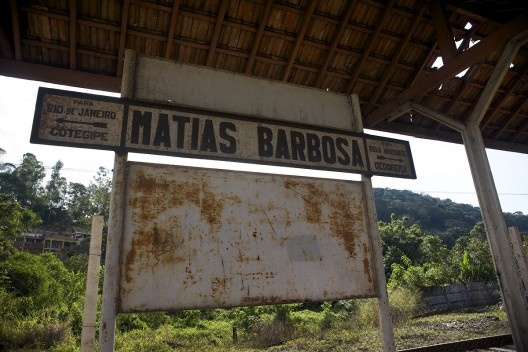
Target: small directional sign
{"x": 90, "y": 121}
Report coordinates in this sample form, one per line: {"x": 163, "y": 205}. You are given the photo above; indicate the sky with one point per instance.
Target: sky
{"x": 442, "y": 169}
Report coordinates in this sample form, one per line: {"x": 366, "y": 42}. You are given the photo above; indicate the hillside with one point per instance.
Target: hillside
{"x": 440, "y": 216}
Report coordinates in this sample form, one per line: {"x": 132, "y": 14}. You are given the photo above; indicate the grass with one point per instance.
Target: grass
{"x": 346, "y": 326}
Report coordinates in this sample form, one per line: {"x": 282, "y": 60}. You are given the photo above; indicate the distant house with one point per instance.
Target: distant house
{"x": 48, "y": 241}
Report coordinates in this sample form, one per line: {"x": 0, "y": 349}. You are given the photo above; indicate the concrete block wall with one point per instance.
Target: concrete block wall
{"x": 461, "y": 295}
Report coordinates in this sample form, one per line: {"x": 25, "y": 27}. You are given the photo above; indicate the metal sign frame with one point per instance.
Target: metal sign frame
{"x": 123, "y": 125}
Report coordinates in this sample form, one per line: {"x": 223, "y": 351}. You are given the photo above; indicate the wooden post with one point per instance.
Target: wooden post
{"x": 92, "y": 283}
{"x": 518, "y": 252}
{"x": 513, "y": 291}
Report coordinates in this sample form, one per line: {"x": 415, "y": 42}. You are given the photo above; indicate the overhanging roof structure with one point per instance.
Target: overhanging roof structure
{"x": 383, "y": 51}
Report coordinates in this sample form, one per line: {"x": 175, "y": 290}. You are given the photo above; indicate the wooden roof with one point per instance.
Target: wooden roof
{"x": 383, "y": 51}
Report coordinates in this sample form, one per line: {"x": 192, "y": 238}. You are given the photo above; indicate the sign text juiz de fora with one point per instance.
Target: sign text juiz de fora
{"x": 90, "y": 121}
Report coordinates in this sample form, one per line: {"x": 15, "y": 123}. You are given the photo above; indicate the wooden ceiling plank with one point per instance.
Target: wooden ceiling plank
{"x": 478, "y": 52}
{"x": 498, "y": 104}
{"x": 73, "y": 34}
{"x": 335, "y": 42}
{"x": 122, "y": 37}
{"x": 16, "y": 30}
{"x": 368, "y": 48}
{"x": 519, "y": 132}
{"x": 258, "y": 36}
{"x": 172, "y": 28}
{"x": 506, "y": 122}
{"x": 216, "y": 33}
{"x": 300, "y": 37}
{"x": 444, "y": 33}
{"x": 387, "y": 74}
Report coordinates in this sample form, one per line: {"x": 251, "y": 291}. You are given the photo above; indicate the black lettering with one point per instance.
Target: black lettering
{"x": 141, "y": 121}
{"x": 162, "y": 132}
{"x": 195, "y": 130}
{"x": 344, "y": 158}
{"x": 264, "y": 137}
{"x": 180, "y": 136}
{"x": 313, "y": 144}
{"x": 329, "y": 152}
{"x": 208, "y": 138}
{"x": 224, "y": 128}
{"x": 282, "y": 151}
{"x": 297, "y": 145}
{"x": 357, "y": 160}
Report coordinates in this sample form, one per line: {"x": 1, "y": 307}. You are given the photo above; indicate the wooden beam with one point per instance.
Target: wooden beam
{"x": 122, "y": 37}
{"x": 444, "y": 34}
{"x": 16, "y": 30}
{"x": 24, "y": 70}
{"x": 172, "y": 28}
{"x": 5, "y": 46}
{"x": 335, "y": 42}
{"x": 366, "y": 50}
{"x": 73, "y": 34}
{"x": 258, "y": 36}
{"x": 478, "y": 52}
{"x": 300, "y": 37}
{"x": 216, "y": 33}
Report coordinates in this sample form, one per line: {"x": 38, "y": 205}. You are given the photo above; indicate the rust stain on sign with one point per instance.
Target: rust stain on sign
{"x": 199, "y": 238}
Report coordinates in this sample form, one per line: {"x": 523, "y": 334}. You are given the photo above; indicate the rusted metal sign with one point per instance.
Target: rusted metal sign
{"x": 202, "y": 238}
{"x": 91, "y": 121}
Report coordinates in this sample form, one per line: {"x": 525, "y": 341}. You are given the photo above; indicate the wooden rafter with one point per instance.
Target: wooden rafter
{"x": 5, "y": 46}
{"x": 216, "y": 33}
{"x": 389, "y": 71}
{"x": 444, "y": 33}
{"x": 466, "y": 82}
{"x": 16, "y": 30}
{"x": 485, "y": 47}
{"x": 73, "y": 34}
{"x": 300, "y": 37}
{"x": 172, "y": 28}
{"x": 506, "y": 122}
{"x": 122, "y": 37}
{"x": 366, "y": 51}
{"x": 335, "y": 42}
{"x": 258, "y": 36}
{"x": 520, "y": 79}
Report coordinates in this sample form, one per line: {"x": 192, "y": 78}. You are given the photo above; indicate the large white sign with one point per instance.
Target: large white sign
{"x": 202, "y": 238}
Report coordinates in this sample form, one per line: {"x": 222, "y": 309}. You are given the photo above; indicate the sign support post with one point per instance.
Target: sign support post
{"x": 115, "y": 228}
{"x": 384, "y": 316}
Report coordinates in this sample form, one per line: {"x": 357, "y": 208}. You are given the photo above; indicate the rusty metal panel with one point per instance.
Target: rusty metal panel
{"x": 202, "y": 238}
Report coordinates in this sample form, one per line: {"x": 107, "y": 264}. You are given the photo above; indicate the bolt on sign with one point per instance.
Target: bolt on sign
{"x": 204, "y": 238}
{"x": 90, "y": 121}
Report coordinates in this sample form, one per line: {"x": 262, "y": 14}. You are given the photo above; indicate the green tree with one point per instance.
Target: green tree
{"x": 79, "y": 205}
{"x": 55, "y": 195}
{"x": 29, "y": 192}
{"x": 473, "y": 256}
{"x": 398, "y": 240}
{"x": 13, "y": 221}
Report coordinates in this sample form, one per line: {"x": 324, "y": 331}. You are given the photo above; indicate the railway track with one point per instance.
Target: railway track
{"x": 497, "y": 343}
